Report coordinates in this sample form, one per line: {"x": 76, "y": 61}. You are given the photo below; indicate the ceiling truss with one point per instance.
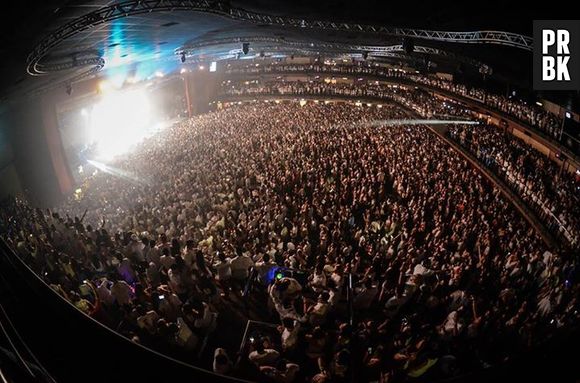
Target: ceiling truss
{"x": 220, "y": 7}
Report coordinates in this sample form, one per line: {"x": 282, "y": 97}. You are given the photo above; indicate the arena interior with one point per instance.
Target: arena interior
{"x": 288, "y": 192}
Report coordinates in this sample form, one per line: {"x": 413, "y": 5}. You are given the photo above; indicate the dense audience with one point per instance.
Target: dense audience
{"x": 533, "y": 115}
{"x": 447, "y": 276}
{"x": 552, "y": 193}
{"x": 421, "y": 102}
{"x": 542, "y": 184}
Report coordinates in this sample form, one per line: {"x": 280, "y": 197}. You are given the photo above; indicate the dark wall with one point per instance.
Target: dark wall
{"x": 9, "y": 180}
{"x": 30, "y": 168}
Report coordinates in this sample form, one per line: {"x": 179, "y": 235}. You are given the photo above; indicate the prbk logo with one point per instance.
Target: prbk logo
{"x": 557, "y": 54}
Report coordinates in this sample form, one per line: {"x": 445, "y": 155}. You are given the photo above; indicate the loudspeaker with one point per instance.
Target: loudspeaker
{"x": 408, "y": 45}
{"x": 245, "y": 48}
{"x": 182, "y": 57}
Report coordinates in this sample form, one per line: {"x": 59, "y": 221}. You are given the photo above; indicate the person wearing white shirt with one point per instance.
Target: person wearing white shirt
{"x": 166, "y": 259}
{"x": 205, "y": 320}
{"x": 153, "y": 274}
{"x": 153, "y": 254}
{"x": 240, "y": 265}
{"x": 221, "y": 362}
{"x": 189, "y": 253}
{"x": 135, "y": 247}
{"x": 223, "y": 268}
{"x": 263, "y": 356}
{"x": 175, "y": 281}
{"x": 184, "y": 336}
{"x": 169, "y": 305}
{"x": 104, "y": 293}
{"x": 148, "y": 321}
{"x": 264, "y": 265}
{"x": 121, "y": 292}
{"x": 284, "y": 374}
{"x": 317, "y": 313}
{"x": 289, "y": 336}
{"x": 318, "y": 279}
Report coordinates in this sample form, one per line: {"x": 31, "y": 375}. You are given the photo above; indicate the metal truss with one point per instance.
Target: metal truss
{"x": 490, "y": 37}
{"x": 220, "y": 7}
{"x": 113, "y": 12}
{"x": 279, "y": 44}
{"x": 73, "y": 63}
{"x": 71, "y": 80}
{"x": 387, "y": 50}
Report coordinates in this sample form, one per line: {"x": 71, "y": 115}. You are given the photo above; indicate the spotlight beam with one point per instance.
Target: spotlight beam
{"x": 120, "y": 173}
{"x": 399, "y": 122}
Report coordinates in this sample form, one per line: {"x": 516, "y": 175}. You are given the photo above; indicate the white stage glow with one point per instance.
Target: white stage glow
{"x": 119, "y": 121}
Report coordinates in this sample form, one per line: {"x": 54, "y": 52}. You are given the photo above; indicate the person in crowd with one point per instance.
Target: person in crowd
{"x": 263, "y": 356}
{"x": 221, "y": 362}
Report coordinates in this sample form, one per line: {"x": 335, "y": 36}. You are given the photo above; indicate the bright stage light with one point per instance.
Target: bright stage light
{"x": 119, "y": 121}
{"x": 104, "y": 86}
{"x": 213, "y": 66}
{"x": 183, "y": 70}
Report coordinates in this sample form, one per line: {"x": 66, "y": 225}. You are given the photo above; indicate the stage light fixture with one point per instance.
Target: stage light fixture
{"x": 408, "y": 45}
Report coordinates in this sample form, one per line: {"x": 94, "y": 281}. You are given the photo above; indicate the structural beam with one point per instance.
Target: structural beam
{"x": 219, "y": 7}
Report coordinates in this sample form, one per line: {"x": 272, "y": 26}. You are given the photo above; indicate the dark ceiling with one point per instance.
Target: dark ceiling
{"x": 155, "y": 36}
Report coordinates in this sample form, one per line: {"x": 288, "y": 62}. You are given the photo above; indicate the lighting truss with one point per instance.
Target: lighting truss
{"x": 219, "y": 7}
{"x": 394, "y": 51}
{"x": 490, "y": 37}
{"x": 55, "y": 67}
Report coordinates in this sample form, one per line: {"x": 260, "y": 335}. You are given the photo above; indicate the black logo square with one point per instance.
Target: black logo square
{"x": 556, "y": 55}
